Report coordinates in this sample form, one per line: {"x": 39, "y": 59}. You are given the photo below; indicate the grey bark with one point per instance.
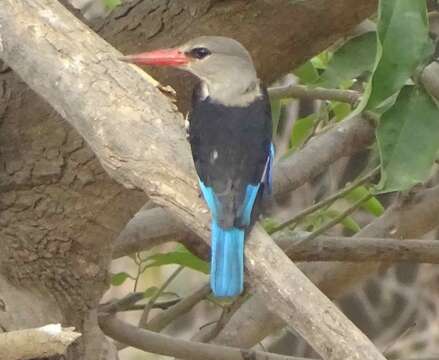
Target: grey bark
{"x": 28, "y": 344}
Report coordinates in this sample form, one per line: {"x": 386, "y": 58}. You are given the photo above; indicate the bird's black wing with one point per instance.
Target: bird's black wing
{"x": 230, "y": 147}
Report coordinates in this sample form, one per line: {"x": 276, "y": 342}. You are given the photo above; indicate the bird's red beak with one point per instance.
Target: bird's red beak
{"x": 163, "y": 57}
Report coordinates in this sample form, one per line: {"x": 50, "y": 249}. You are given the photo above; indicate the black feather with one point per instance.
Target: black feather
{"x": 230, "y": 147}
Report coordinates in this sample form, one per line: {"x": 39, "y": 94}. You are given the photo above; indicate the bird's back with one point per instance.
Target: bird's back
{"x": 230, "y": 147}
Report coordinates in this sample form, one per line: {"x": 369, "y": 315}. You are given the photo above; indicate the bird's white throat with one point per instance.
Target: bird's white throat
{"x": 231, "y": 93}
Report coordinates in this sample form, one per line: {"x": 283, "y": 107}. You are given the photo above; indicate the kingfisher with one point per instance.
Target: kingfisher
{"x": 230, "y": 133}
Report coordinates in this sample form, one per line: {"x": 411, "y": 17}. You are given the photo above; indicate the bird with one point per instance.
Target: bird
{"x": 230, "y": 134}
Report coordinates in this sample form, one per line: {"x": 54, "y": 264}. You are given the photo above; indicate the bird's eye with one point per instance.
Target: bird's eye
{"x": 199, "y": 53}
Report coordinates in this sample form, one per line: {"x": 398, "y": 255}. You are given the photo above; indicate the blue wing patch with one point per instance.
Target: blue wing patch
{"x": 251, "y": 192}
{"x": 267, "y": 178}
{"x": 211, "y": 199}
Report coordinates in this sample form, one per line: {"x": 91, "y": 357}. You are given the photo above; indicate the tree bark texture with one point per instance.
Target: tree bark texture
{"x": 59, "y": 209}
{"x": 28, "y": 344}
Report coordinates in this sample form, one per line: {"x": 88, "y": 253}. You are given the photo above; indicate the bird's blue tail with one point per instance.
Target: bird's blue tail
{"x": 227, "y": 263}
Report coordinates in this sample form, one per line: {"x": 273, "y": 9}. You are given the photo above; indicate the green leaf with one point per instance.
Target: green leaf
{"x": 321, "y": 60}
{"x": 373, "y": 205}
{"x": 348, "y": 222}
{"x": 408, "y": 140}
{"x": 307, "y": 73}
{"x": 350, "y": 60}
{"x": 150, "y": 292}
{"x": 403, "y": 44}
{"x": 269, "y": 224}
{"x": 180, "y": 256}
{"x": 119, "y": 278}
{"x": 302, "y": 129}
{"x": 112, "y": 4}
{"x": 340, "y": 110}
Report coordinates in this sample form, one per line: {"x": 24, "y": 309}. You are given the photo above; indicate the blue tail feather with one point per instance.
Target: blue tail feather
{"x": 227, "y": 263}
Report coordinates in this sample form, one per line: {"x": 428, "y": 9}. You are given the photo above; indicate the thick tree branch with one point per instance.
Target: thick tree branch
{"x": 140, "y": 142}
{"x": 150, "y": 227}
{"x": 46, "y": 341}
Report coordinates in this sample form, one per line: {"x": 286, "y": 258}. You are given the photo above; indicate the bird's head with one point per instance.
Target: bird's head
{"x": 224, "y": 66}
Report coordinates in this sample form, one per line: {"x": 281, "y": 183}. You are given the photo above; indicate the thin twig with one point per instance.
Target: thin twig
{"x": 326, "y": 202}
{"x": 317, "y": 93}
{"x": 163, "y": 305}
{"x": 138, "y": 262}
{"x": 226, "y": 314}
{"x": 150, "y": 304}
{"x": 144, "y": 318}
{"x": 402, "y": 335}
{"x": 121, "y": 304}
{"x": 338, "y": 219}
{"x": 128, "y": 303}
{"x": 160, "y": 321}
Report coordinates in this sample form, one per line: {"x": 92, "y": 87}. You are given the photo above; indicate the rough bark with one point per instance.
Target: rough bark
{"x": 58, "y": 207}
{"x": 28, "y": 344}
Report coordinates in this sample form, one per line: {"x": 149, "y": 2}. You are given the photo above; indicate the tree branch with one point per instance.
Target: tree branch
{"x": 345, "y": 139}
{"x": 162, "y": 320}
{"x": 148, "y": 228}
{"x": 149, "y": 306}
{"x": 165, "y": 345}
{"x": 49, "y": 340}
{"x": 337, "y": 219}
{"x": 314, "y": 93}
{"x": 362, "y": 249}
{"x": 325, "y": 202}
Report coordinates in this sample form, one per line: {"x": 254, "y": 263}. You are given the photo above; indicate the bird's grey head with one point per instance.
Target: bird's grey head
{"x": 224, "y": 66}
